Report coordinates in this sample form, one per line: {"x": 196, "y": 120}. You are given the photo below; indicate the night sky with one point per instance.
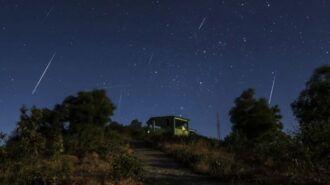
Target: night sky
{"x": 163, "y": 57}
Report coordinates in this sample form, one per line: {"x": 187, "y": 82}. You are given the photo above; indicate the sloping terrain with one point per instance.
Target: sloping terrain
{"x": 161, "y": 169}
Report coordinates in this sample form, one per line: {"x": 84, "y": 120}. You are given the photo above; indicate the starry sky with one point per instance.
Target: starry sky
{"x": 190, "y": 58}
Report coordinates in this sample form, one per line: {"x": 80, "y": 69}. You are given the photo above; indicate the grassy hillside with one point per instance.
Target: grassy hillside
{"x": 263, "y": 164}
{"x": 119, "y": 166}
{"x": 74, "y": 143}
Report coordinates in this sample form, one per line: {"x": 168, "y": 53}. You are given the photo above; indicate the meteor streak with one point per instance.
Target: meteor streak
{"x": 48, "y": 13}
{"x": 120, "y": 100}
{"x": 272, "y": 90}
{"x": 202, "y": 23}
{"x": 151, "y": 57}
{"x": 119, "y": 86}
{"x": 43, "y": 74}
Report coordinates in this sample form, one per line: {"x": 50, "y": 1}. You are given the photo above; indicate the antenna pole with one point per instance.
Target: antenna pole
{"x": 218, "y": 126}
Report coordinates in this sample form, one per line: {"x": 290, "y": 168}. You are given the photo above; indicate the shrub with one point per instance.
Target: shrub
{"x": 202, "y": 154}
{"x": 37, "y": 172}
{"x": 125, "y": 166}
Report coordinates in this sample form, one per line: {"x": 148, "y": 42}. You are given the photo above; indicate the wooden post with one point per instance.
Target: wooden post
{"x": 174, "y": 125}
{"x": 153, "y": 125}
{"x": 218, "y": 126}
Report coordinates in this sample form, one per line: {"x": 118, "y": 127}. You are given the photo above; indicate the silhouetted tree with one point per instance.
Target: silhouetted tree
{"x": 2, "y": 137}
{"x": 136, "y": 128}
{"x": 313, "y": 104}
{"x": 27, "y": 141}
{"x": 87, "y": 114}
{"x": 115, "y": 126}
{"x": 312, "y": 109}
{"x": 135, "y": 124}
{"x": 51, "y": 128}
{"x": 92, "y": 107}
{"x": 33, "y": 154}
{"x": 253, "y": 117}
{"x": 2, "y": 148}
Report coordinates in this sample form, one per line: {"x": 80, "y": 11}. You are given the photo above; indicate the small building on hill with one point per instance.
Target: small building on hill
{"x": 169, "y": 125}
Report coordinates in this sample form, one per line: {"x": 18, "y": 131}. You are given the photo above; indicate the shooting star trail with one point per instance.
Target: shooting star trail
{"x": 120, "y": 100}
{"x": 202, "y": 23}
{"x": 272, "y": 90}
{"x": 151, "y": 57}
{"x": 119, "y": 86}
{"x": 48, "y": 13}
{"x": 43, "y": 74}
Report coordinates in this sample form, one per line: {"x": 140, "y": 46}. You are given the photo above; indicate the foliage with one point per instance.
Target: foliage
{"x": 51, "y": 127}
{"x": 313, "y": 104}
{"x": 316, "y": 140}
{"x": 27, "y": 140}
{"x": 253, "y": 117}
{"x": 87, "y": 115}
{"x": 85, "y": 139}
{"x": 269, "y": 155}
{"x": 257, "y": 150}
{"x": 42, "y": 150}
{"x": 312, "y": 109}
{"x": 2, "y": 137}
{"x": 135, "y": 125}
{"x": 126, "y": 166}
{"x": 87, "y": 108}
{"x": 2, "y": 148}
{"x": 136, "y": 129}
{"x": 77, "y": 143}
{"x": 37, "y": 172}
{"x": 116, "y": 126}
{"x": 203, "y": 155}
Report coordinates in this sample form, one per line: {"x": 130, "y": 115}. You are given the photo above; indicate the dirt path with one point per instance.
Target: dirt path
{"x": 161, "y": 169}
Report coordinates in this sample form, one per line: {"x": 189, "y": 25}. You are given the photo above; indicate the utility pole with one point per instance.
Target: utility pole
{"x": 218, "y": 126}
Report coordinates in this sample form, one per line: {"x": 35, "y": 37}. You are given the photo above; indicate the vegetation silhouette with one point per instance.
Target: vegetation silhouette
{"x": 76, "y": 142}
{"x": 43, "y": 150}
{"x": 257, "y": 151}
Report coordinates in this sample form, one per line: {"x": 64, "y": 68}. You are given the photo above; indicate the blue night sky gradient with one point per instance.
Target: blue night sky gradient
{"x": 154, "y": 60}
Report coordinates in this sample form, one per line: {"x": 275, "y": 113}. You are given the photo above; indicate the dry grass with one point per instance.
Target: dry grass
{"x": 201, "y": 156}
{"x": 208, "y": 157}
{"x": 69, "y": 170}
{"x": 202, "y": 167}
{"x": 130, "y": 181}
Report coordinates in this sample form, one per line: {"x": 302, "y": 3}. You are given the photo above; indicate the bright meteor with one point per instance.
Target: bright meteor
{"x": 48, "y": 13}
{"x": 202, "y": 23}
{"x": 43, "y": 74}
{"x": 272, "y": 90}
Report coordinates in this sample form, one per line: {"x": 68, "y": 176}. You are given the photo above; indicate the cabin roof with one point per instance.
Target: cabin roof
{"x": 169, "y": 117}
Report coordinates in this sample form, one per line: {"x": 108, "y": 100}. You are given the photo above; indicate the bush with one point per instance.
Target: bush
{"x": 37, "y": 172}
{"x": 202, "y": 154}
{"x": 316, "y": 139}
{"x": 126, "y": 166}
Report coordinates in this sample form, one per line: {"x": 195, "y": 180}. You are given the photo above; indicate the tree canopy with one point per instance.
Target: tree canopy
{"x": 2, "y": 137}
{"x": 254, "y": 117}
{"x": 69, "y": 144}
{"x": 87, "y": 115}
{"x": 312, "y": 109}
{"x": 92, "y": 107}
{"x": 313, "y": 104}
{"x": 27, "y": 139}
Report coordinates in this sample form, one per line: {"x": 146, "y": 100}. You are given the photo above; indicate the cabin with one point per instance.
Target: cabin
{"x": 169, "y": 125}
